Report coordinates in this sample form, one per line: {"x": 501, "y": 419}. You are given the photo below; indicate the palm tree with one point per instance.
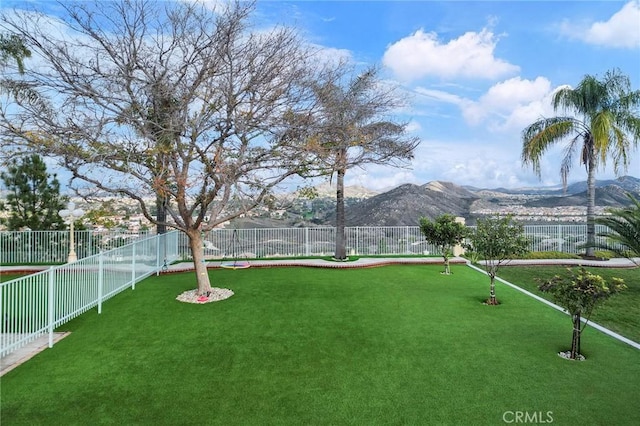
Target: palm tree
{"x": 602, "y": 122}
{"x": 351, "y": 129}
{"x": 624, "y": 230}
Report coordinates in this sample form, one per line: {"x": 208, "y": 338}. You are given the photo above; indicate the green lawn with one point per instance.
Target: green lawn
{"x": 621, "y": 313}
{"x": 8, "y": 277}
{"x": 389, "y": 345}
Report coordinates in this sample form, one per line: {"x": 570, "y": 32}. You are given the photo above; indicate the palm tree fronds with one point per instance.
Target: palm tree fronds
{"x": 539, "y": 136}
{"x": 603, "y": 114}
{"x": 624, "y": 229}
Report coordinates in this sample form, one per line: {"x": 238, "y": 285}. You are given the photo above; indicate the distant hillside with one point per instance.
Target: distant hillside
{"x": 606, "y": 196}
{"x": 350, "y": 191}
{"x": 404, "y": 205}
{"x": 627, "y": 183}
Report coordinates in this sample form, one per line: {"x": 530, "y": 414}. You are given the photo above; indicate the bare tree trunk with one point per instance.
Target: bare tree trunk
{"x": 492, "y": 291}
{"x": 202, "y": 275}
{"x": 341, "y": 251}
{"x": 161, "y": 227}
{"x": 161, "y": 215}
{"x": 591, "y": 205}
{"x": 575, "y": 338}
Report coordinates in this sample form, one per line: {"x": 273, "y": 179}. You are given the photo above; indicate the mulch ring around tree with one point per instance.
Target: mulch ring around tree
{"x": 567, "y": 355}
{"x": 215, "y": 295}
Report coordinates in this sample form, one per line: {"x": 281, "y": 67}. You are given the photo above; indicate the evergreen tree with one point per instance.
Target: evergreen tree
{"x": 34, "y": 198}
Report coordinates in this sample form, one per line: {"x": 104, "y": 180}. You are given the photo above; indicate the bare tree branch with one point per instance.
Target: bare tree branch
{"x": 165, "y": 101}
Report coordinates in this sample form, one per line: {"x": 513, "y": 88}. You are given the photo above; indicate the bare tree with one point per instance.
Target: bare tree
{"x": 352, "y": 127}
{"x": 165, "y": 102}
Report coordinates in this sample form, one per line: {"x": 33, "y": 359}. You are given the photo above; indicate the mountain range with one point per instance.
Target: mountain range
{"x": 405, "y": 204}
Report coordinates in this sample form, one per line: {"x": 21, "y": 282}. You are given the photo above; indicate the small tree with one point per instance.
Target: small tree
{"x": 580, "y": 294}
{"x": 497, "y": 240}
{"x": 444, "y": 232}
{"x": 34, "y": 198}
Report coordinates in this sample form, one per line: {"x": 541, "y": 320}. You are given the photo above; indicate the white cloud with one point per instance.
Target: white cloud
{"x": 330, "y": 55}
{"x": 440, "y": 96}
{"x": 380, "y": 178}
{"x": 471, "y": 56}
{"x": 622, "y": 30}
{"x": 480, "y": 162}
{"x": 461, "y": 162}
{"x": 214, "y": 5}
{"x": 413, "y": 127}
{"x": 510, "y": 104}
{"x": 475, "y": 163}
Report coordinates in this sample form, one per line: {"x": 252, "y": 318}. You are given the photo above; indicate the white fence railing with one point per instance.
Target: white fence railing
{"x": 25, "y": 247}
{"x": 34, "y": 305}
{"x": 363, "y": 241}
{"x": 52, "y": 246}
{"x": 317, "y": 241}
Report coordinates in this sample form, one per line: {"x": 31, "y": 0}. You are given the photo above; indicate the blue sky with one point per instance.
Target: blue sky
{"x": 475, "y": 73}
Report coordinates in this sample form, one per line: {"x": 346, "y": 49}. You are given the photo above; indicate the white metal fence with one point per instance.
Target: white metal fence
{"x": 317, "y": 241}
{"x": 26, "y": 247}
{"x": 53, "y": 246}
{"x": 35, "y": 305}
{"x": 363, "y": 241}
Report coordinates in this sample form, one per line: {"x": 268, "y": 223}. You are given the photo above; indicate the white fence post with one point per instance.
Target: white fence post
{"x": 255, "y": 241}
{"x": 406, "y": 239}
{"x": 100, "y": 281}
{"x": 356, "y": 230}
{"x": 560, "y": 239}
{"x": 158, "y": 238}
{"x": 133, "y": 267}
{"x": 51, "y": 304}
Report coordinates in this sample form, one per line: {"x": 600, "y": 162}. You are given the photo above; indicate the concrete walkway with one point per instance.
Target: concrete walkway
{"x": 611, "y": 263}
{"x": 367, "y": 262}
{"x": 25, "y": 353}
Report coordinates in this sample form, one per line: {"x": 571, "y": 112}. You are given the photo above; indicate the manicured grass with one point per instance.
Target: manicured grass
{"x": 8, "y": 277}
{"x": 388, "y": 345}
{"x": 621, "y": 313}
